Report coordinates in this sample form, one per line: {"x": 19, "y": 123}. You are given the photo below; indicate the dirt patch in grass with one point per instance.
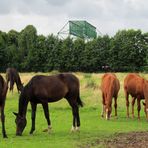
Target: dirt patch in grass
{"x": 126, "y": 140}
{"x": 122, "y": 140}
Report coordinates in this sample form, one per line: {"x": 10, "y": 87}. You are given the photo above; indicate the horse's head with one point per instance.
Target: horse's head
{"x": 20, "y": 124}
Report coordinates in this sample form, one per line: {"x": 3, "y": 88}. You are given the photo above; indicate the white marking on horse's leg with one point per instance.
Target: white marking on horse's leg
{"x": 73, "y": 129}
{"x": 77, "y": 128}
{"x": 49, "y": 128}
{"x": 107, "y": 118}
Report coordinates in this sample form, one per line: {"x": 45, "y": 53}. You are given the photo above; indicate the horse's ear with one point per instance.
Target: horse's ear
{"x": 143, "y": 103}
{"x": 15, "y": 113}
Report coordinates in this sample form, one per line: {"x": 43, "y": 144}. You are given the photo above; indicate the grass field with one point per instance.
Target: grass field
{"x": 93, "y": 127}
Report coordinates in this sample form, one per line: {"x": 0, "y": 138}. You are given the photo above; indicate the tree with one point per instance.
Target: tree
{"x": 66, "y": 54}
{"x": 96, "y": 54}
{"x": 12, "y": 49}
{"x": 26, "y": 43}
{"x": 128, "y": 50}
{"x": 3, "y": 52}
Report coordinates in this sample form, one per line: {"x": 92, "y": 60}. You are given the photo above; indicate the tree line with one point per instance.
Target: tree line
{"x": 26, "y": 51}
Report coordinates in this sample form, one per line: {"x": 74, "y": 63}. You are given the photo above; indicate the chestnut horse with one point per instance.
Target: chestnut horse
{"x": 3, "y": 92}
{"x": 133, "y": 85}
{"x": 110, "y": 87}
{"x": 145, "y": 90}
{"x": 13, "y": 76}
{"x": 44, "y": 89}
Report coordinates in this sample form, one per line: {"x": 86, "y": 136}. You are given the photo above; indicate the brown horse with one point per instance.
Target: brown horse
{"x": 133, "y": 85}
{"x": 110, "y": 87}
{"x": 145, "y": 90}
{"x": 3, "y": 92}
{"x": 13, "y": 76}
{"x": 44, "y": 89}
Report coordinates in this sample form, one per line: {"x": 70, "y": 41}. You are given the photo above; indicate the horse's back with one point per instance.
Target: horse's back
{"x": 60, "y": 80}
{"x": 53, "y": 87}
{"x": 110, "y": 79}
{"x": 70, "y": 80}
{"x": 133, "y": 84}
{"x": 110, "y": 84}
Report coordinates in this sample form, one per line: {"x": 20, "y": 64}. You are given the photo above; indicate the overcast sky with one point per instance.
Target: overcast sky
{"x": 49, "y": 16}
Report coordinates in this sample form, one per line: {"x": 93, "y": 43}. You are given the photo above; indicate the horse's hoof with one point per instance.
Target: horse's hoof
{"x": 77, "y": 129}
{"x": 5, "y": 136}
{"x": 116, "y": 117}
{"x": 73, "y": 129}
{"x": 45, "y": 130}
{"x": 31, "y": 133}
{"x": 48, "y": 129}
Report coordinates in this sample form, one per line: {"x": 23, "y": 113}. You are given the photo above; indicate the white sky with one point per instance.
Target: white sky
{"x": 49, "y": 16}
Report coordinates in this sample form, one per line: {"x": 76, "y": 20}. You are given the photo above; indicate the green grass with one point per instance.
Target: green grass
{"x": 93, "y": 127}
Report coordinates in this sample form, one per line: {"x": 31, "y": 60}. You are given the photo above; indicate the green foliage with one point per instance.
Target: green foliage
{"x": 128, "y": 50}
{"x": 3, "y": 52}
{"x": 27, "y": 51}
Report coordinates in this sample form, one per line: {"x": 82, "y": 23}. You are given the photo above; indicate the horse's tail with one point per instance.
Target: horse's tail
{"x": 11, "y": 84}
{"x": 80, "y": 103}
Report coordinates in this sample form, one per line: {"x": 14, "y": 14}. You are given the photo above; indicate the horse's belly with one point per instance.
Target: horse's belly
{"x": 47, "y": 98}
{"x": 54, "y": 99}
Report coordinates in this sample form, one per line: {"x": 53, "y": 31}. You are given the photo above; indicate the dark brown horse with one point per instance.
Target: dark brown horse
{"x": 13, "y": 76}
{"x": 44, "y": 89}
{"x": 3, "y": 92}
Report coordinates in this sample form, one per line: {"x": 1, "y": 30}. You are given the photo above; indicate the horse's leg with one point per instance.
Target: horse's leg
{"x": 77, "y": 118}
{"x": 115, "y": 105}
{"x": 103, "y": 105}
{"x": 46, "y": 113}
{"x": 127, "y": 103}
{"x": 138, "y": 107}
{"x": 133, "y": 103}
{"x": 33, "y": 115}
{"x": 75, "y": 112}
{"x": 3, "y": 122}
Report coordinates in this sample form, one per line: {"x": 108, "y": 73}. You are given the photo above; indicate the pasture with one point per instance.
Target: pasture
{"x": 93, "y": 127}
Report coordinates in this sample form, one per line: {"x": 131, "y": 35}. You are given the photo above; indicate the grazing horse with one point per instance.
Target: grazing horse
{"x": 133, "y": 85}
{"x": 44, "y": 89}
{"x": 3, "y": 92}
{"x": 145, "y": 90}
{"x": 110, "y": 87}
{"x": 13, "y": 76}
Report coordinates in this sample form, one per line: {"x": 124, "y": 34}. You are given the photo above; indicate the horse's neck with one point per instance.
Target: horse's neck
{"x": 18, "y": 80}
{"x": 23, "y": 103}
